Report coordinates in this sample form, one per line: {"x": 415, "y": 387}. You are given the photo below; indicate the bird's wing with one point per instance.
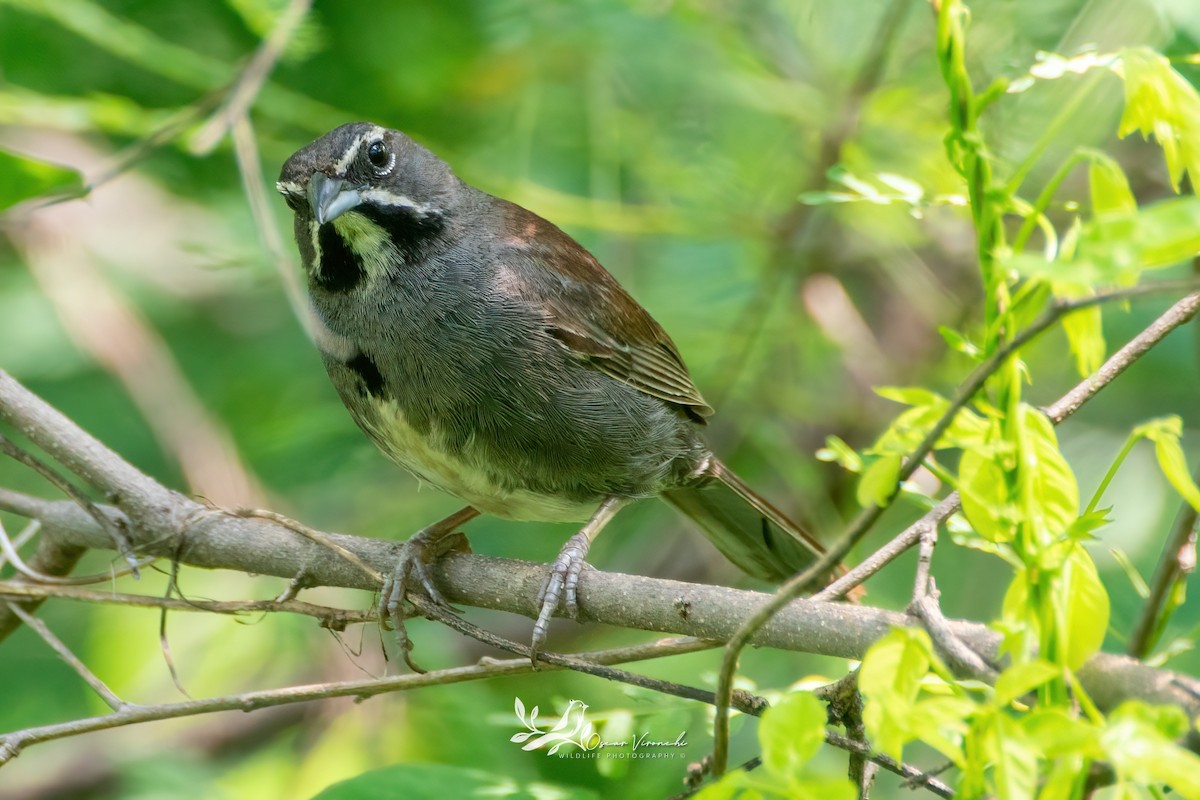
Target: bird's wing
{"x": 597, "y": 320}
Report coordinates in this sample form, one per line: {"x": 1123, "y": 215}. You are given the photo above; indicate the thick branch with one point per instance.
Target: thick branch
{"x": 629, "y": 601}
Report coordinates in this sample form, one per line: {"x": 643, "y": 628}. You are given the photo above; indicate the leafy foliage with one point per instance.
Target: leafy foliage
{"x": 723, "y": 160}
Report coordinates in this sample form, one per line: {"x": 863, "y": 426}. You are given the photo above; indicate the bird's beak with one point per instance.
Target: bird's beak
{"x": 329, "y": 198}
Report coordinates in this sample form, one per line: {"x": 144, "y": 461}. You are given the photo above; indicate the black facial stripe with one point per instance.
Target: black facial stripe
{"x": 407, "y": 229}
{"x": 365, "y": 368}
{"x": 340, "y": 269}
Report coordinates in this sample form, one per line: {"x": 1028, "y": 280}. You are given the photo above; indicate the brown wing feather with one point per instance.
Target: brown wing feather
{"x": 596, "y": 319}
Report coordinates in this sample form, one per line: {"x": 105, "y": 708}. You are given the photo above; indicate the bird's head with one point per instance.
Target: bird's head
{"x": 367, "y": 200}
{"x": 365, "y": 168}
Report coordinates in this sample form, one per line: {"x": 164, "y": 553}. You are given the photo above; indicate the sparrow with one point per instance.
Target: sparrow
{"x": 488, "y": 353}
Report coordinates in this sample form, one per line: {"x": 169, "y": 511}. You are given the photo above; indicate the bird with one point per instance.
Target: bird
{"x": 488, "y": 353}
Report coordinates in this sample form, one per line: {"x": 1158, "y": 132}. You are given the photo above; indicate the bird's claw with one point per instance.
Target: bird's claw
{"x": 560, "y": 590}
{"x": 415, "y": 557}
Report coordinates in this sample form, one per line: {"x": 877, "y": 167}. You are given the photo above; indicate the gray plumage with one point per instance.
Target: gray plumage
{"x": 495, "y": 358}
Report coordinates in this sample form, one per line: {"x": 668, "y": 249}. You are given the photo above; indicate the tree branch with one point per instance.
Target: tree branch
{"x": 1178, "y": 314}
{"x": 629, "y": 601}
{"x": 11, "y": 744}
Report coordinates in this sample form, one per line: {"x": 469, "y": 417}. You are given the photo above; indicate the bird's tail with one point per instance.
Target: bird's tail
{"x": 748, "y": 530}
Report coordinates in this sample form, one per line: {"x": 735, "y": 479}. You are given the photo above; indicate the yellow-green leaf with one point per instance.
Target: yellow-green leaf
{"x": 1109, "y": 187}
{"x": 22, "y": 178}
{"x": 1055, "y": 494}
{"x": 878, "y": 481}
{"x": 1087, "y": 607}
{"x": 1160, "y": 102}
{"x": 984, "y": 493}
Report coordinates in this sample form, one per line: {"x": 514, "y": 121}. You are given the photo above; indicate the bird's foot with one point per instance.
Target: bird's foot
{"x": 412, "y": 572}
{"x": 561, "y": 588}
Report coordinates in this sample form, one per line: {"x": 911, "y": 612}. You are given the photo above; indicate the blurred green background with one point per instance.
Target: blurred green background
{"x": 677, "y": 141}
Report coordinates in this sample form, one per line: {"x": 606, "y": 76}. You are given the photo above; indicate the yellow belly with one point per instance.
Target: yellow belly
{"x": 419, "y": 455}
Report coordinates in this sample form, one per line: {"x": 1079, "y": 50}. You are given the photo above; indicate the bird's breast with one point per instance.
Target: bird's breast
{"x": 422, "y": 453}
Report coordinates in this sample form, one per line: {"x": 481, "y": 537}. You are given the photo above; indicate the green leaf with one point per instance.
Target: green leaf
{"x": 890, "y": 678}
{"x": 1114, "y": 248}
{"x": 22, "y": 178}
{"x": 436, "y": 781}
{"x": 1057, "y": 734}
{"x": 878, "y": 481}
{"x": 1166, "y": 432}
{"x": 910, "y": 395}
{"x": 1109, "y": 187}
{"x": 1087, "y": 607}
{"x": 1017, "y": 681}
{"x": 1131, "y": 572}
{"x": 1160, "y": 102}
{"x": 1014, "y": 760}
{"x": 1174, "y": 466}
{"x": 1018, "y": 621}
{"x": 941, "y": 723}
{"x": 1085, "y": 336}
{"x": 840, "y": 453}
{"x": 1087, "y": 522}
{"x": 959, "y": 342}
{"x": 1139, "y": 742}
{"x": 791, "y": 732}
{"x": 1055, "y": 493}
{"x": 1168, "y": 231}
{"x": 985, "y": 498}
{"x": 1065, "y": 781}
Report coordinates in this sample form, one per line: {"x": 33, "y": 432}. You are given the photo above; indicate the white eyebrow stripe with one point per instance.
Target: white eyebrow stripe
{"x": 343, "y": 163}
{"x": 383, "y": 197}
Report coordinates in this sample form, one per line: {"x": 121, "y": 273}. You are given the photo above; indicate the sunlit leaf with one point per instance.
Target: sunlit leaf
{"x": 1087, "y": 608}
{"x": 890, "y": 678}
{"x": 1139, "y": 741}
{"x": 878, "y": 481}
{"x": 22, "y": 178}
{"x": 1020, "y": 679}
{"x": 1014, "y": 760}
{"x": 1085, "y": 336}
{"x": 959, "y": 342}
{"x": 840, "y": 453}
{"x": 1055, "y": 492}
{"x": 1109, "y": 187}
{"x": 1058, "y": 733}
{"x": 1160, "y": 102}
{"x": 791, "y": 732}
{"x": 985, "y": 499}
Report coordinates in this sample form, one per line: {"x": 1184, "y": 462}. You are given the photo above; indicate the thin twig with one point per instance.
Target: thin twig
{"x": 333, "y": 618}
{"x": 856, "y": 747}
{"x": 1176, "y": 315}
{"x": 925, "y": 607}
{"x": 921, "y": 579}
{"x": 912, "y": 774}
{"x": 64, "y": 652}
{"x": 1178, "y": 559}
{"x": 743, "y": 701}
{"x": 251, "y": 79}
{"x": 8, "y": 549}
{"x": 19, "y": 454}
{"x": 890, "y": 551}
{"x": 11, "y": 744}
{"x": 963, "y": 659}
{"x": 250, "y": 168}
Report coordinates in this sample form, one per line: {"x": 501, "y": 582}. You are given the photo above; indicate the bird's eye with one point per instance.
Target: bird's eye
{"x": 377, "y": 154}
